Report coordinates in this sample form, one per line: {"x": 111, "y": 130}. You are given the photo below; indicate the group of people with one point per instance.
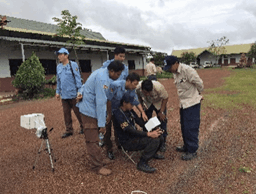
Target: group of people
{"x": 113, "y": 98}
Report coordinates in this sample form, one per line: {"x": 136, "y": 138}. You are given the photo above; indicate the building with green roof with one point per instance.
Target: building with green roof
{"x": 231, "y": 57}
{"x": 20, "y": 37}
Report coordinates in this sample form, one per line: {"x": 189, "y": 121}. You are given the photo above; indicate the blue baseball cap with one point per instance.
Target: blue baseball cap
{"x": 127, "y": 98}
{"x": 62, "y": 51}
{"x": 169, "y": 61}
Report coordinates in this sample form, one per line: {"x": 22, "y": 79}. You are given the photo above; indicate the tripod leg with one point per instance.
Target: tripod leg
{"x": 39, "y": 151}
{"x": 49, "y": 151}
{"x": 53, "y": 157}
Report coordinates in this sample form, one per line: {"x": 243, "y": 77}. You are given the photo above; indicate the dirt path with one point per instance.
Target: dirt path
{"x": 72, "y": 174}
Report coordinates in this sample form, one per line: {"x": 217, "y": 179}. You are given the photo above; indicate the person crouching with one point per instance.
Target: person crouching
{"x": 134, "y": 140}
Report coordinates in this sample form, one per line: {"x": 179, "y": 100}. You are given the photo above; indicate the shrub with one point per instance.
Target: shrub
{"x": 30, "y": 77}
{"x": 52, "y": 81}
{"x": 160, "y": 75}
{"x": 45, "y": 93}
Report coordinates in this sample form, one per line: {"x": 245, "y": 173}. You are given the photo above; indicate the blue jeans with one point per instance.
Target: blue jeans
{"x": 190, "y": 122}
{"x": 152, "y": 77}
{"x": 149, "y": 113}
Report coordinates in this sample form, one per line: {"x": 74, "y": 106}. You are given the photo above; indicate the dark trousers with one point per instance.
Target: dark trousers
{"x": 91, "y": 133}
{"x": 190, "y": 122}
{"x": 69, "y": 104}
{"x": 149, "y": 146}
{"x": 107, "y": 136}
{"x": 149, "y": 113}
{"x": 152, "y": 77}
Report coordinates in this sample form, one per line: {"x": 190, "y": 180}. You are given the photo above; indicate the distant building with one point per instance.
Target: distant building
{"x": 21, "y": 37}
{"x": 231, "y": 57}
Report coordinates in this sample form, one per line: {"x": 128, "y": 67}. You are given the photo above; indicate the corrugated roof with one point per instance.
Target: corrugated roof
{"x": 36, "y": 42}
{"x": 231, "y": 49}
{"x": 45, "y": 27}
{"x": 89, "y": 39}
{"x": 26, "y": 26}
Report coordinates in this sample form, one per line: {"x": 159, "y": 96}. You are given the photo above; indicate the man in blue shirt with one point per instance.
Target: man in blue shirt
{"x": 93, "y": 109}
{"x": 119, "y": 54}
{"x": 68, "y": 82}
{"x": 115, "y": 93}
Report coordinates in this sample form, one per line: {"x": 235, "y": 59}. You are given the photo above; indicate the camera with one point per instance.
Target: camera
{"x": 158, "y": 127}
{"x": 41, "y": 132}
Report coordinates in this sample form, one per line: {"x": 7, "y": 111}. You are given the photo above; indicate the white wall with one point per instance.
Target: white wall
{"x": 4, "y": 66}
{"x": 97, "y": 59}
{"x": 12, "y": 50}
{"x": 236, "y": 56}
{"x": 5, "y": 53}
{"x": 138, "y": 60}
{"x": 207, "y": 57}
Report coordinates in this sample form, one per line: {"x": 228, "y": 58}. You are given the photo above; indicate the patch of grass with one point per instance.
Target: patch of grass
{"x": 142, "y": 78}
{"x": 45, "y": 93}
{"x": 164, "y": 75}
{"x": 244, "y": 169}
{"x": 239, "y": 89}
{"x": 160, "y": 76}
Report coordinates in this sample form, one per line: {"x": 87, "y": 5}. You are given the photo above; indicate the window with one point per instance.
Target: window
{"x": 232, "y": 60}
{"x": 85, "y": 66}
{"x": 14, "y": 65}
{"x": 131, "y": 64}
{"x": 49, "y": 66}
{"x": 111, "y": 55}
{"x": 220, "y": 61}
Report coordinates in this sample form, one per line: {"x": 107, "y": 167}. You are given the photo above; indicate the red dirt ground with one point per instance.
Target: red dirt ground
{"x": 227, "y": 143}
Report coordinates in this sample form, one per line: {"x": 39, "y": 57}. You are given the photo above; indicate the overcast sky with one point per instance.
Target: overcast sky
{"x": 163, "y": 25}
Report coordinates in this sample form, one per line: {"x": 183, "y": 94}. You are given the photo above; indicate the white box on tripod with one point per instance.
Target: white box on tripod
{"x": 32, "y": 121}
{"x": 152, "y": 123}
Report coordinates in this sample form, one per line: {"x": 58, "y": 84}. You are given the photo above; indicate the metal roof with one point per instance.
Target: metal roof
{"x": 36, "y": 42}
{"x": 34, "y": 27}
{"x": 19, "y": 23}
{"x": 231, "y": 49}
{"x": 89, "y": 39}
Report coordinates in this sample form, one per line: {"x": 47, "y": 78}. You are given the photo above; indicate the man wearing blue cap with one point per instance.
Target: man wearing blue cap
{"x": 119, "y": 55}
{"x": 189, "y": 86}
{"x": 115, "y": 93}
{"x": 93, "y": 109}
{"x": 132, "y": 139}
{"x": 68, "y": 83}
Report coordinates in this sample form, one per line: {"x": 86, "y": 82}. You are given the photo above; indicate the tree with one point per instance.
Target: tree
{"x": 187, "y": 57}
{"x": 69, "y": 27}
{"x": 217, "y": 47}
{"x": 252, "y": 51}
{"x": 30, "y": 77}
{"x": 159, "y": 58}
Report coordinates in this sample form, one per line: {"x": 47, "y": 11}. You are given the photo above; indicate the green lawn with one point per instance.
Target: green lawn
{"x": 239, "y": 89}
{"x": 159, "y": 76}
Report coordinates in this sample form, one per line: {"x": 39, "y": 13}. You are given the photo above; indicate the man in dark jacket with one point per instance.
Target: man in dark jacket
{"x": 132, "y": 139}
